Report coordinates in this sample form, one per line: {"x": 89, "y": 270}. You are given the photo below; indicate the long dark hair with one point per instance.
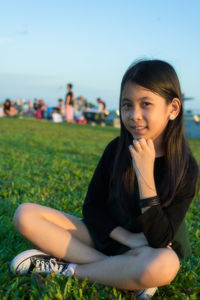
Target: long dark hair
{"x": 160, "y": 78}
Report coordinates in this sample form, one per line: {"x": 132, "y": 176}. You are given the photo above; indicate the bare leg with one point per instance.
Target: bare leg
{"x": 141, "y": 268}
{"x": 56, "y": 233}
{"x": 66, "y": 237}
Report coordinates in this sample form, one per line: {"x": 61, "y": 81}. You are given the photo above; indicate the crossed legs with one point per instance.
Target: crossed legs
{"x": 66, "y": 237}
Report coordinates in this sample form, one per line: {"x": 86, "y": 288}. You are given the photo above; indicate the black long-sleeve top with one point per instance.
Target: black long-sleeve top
{"x": 102, "y": 212}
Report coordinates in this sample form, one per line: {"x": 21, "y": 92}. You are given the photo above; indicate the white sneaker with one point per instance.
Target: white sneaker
{"x": 40, "y": 262}
{"x": 146, "y": 294}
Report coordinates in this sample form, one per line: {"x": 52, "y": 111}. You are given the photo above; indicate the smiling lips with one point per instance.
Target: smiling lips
{"x": 138, "y": 129}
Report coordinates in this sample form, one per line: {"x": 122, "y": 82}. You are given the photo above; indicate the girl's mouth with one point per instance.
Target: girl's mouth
{"x": 139, "y": 129}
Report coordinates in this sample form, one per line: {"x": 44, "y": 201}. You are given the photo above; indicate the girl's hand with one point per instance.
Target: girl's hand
{"x": 143, "y": 157}
{"x": 136, "y": 240}
{"x": 127, "y": 238}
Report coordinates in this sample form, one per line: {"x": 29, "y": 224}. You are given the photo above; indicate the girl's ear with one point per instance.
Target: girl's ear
{"x": 175, "y": 107}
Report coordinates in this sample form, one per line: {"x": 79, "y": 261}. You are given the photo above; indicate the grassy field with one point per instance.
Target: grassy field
{"x": 52, "y": 164}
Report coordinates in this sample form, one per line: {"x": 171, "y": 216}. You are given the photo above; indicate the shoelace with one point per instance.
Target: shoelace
{"x": 48, "y": 266}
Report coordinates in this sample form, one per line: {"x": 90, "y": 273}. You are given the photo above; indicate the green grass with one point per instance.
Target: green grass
{"x": 52, "y": 164}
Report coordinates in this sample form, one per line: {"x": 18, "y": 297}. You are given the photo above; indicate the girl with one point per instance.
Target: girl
{"x": 133, "y": 233}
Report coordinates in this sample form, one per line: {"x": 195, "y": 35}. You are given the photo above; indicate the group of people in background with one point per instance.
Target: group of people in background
{"x": 71, "y": 109}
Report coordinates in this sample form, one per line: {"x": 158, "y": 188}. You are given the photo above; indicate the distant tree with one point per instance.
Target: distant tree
{"x": 90, "y": 105}
{"x": 189, "y": 111}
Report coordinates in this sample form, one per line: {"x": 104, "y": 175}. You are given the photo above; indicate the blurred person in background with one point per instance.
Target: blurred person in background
{"x": 35, "y": 104}
{"x": 102, "y": 106}
{"x": 61, "y": 107}
{"x": 79, "y": 108}
{"x": 9, "y": 108}
{"x": 43, "y": 108}
{"x": 69, "y": 113}
{"x": 56, "y": 116}
{"x": 1, "y": 111}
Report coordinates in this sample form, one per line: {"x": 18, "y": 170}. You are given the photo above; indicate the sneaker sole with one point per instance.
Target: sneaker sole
{"x": 147, "y": 293}
{"x": 23, "y": 256}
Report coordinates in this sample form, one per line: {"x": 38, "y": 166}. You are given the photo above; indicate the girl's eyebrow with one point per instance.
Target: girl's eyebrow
{"x": 145, "y": 98}
{"x": 125, "y": 99}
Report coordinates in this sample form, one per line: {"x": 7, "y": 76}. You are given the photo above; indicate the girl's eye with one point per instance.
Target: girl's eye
{"x": 145, "y": 104}
{"x": 126, "y": 105}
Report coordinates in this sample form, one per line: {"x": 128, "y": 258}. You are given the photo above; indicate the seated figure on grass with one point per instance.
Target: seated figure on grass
{"x": 9, "y": 108}
{"x": 132, "y": 235}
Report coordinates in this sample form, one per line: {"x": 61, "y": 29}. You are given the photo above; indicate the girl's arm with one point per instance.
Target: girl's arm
{"x": 129, "y": 239}
{"x": 143, "y": 157}
{"x": 158, "y": 223}
{"x": 95, "y": 210}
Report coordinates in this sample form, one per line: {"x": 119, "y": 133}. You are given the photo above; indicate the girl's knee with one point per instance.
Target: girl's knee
{"x": 161, "y": 268}
{"x": 171, "y": 264}
{"x": 22, "y": 215}
{"x": 174, "y": 263}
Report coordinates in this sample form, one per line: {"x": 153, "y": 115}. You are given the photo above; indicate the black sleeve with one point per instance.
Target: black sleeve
{"x": 95, "y": 210}
{"x": 160, "y": 224}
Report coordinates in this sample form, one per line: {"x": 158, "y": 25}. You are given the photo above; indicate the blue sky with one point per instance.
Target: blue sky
{"x": 45, "y": 44}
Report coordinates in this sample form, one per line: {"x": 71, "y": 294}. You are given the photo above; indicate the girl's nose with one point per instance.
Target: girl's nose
{"x": 135, "y": 114}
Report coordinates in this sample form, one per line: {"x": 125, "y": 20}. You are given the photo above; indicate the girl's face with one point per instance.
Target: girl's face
{"x": 144, "y": 113}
